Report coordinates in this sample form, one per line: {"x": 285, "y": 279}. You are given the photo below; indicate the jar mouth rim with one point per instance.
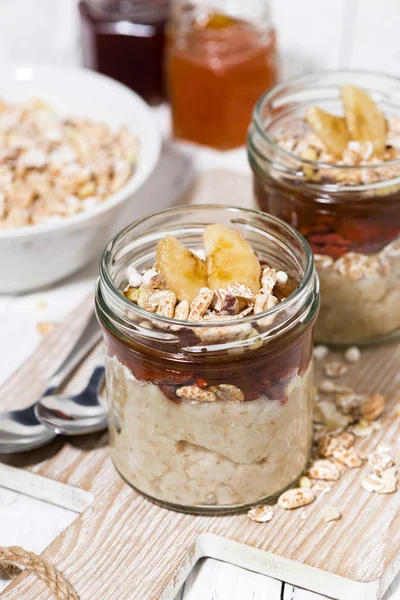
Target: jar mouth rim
{"x": 267, "y": 96}
{"x": 117, "y": 294}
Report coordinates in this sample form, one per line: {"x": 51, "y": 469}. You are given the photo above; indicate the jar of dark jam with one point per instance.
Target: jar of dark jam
{"x": 124, "y": 39}
{"x": 250, "y": 438}
{"x": 346, "y": 206}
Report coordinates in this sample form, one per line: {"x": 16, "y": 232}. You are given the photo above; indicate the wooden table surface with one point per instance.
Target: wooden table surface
{"x": 313, "y": 36}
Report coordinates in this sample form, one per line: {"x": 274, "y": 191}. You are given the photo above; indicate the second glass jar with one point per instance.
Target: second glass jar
{"x": 220, "y": 455}
{"x": 349, "y": 214}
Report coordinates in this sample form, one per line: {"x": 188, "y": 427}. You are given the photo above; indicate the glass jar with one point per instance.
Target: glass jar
{"x": 221, "y": 56}
{"x": 209, "y": 456}
{"x": 124, "y": 39}
{"x": 349, "y": 214}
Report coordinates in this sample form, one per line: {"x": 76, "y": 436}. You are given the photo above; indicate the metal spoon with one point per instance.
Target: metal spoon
{"x": 21, "y": 430}
{"x": 75, "y": 415}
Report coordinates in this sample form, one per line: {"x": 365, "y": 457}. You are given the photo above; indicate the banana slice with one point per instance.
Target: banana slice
{"x": 364, "y": 120}
{"x": 184, "y": 273}
{"x": 230, "y": 258}
{"x": 330, "y": 129}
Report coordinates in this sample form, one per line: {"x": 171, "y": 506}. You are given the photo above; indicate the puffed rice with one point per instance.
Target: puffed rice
{"x": 324, "y": 469}
{"x": 193, "y": 392}
{"x": 295, "y": 498}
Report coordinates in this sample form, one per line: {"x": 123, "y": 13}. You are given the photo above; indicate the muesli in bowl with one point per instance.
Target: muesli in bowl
{"x": 325, "y": 152}
{"x": 208, "y": 317}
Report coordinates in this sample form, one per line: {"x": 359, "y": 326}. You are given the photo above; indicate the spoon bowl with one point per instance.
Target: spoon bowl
{"x": 80, "y": 414}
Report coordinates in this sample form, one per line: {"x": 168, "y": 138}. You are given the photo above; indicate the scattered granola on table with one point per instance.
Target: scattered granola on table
{"x": 52, "y": 166}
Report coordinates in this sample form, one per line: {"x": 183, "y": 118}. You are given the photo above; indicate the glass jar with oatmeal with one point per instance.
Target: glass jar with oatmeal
{"x": 208, "y": 356}
{"x": 325, "y": 153}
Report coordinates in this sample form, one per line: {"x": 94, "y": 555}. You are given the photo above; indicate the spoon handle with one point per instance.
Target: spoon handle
{"x": 87, "y": 340}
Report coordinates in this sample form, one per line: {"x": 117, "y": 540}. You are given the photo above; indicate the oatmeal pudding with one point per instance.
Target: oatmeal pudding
{"x": 208, "y": 331}
{"x": 325, "y": 151}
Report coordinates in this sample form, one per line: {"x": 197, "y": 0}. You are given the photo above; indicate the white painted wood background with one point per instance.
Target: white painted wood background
{"x": 313, "y": 35}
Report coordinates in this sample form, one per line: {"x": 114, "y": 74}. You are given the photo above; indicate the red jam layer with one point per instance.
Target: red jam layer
{"x": 266, "y": 370}
{"x": 349, "y": 223}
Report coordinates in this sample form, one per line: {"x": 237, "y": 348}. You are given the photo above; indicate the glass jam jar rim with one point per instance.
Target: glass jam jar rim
{"x": 309, "y": 79}
{"x": 143, "y": 9}
{"x": 121, "y": 301}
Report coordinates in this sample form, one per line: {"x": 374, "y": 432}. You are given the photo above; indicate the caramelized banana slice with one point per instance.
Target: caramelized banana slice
{"x": 230, "y": 258}
{"x": 364, "y": 120}
{"x": 331, "y": 130}
{"x": 184, "y": 273}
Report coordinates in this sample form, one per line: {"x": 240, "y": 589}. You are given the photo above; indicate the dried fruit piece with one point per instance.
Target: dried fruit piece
{"x": 131, "y": 293}
{"x": 184, "y": 272}
{"x": 365, "y": 122}
{"x": 194, "y": 392}
{"x": 373, "y": 407}
{"x": 330, "y": 129}
{"x": 230, "y": 258}
{"x": 331, "y": 513}
{"x": 296, "y": 498}
{"x": 261, "y": 514}
{"x": 324, "y": 469}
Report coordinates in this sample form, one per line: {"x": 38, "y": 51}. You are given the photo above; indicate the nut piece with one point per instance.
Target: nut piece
{"x": 324, "y": 469}
{"x": 347, "y": 457}
{"x": 193, "y": 392}
{"x": 200, "y": 304}
{"x": 327, "y": 445}
{"x": 296, "y": 498}
{"x": 373, "y": 407}
{"x": 331, "y": 513}
{"x": 131, "y": 293}
{"x": 268, "y": 280}
{"x": 227, "y": 392}
{"x": 335, "y": 368}
{"x": 261, "y": 514}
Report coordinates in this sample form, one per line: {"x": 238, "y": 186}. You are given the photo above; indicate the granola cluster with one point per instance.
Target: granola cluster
{"x": 52, "y": 167}
{"x": 341, "y": 416}
{"x": 308, "y": 146}
{"x": 362, "y": 138}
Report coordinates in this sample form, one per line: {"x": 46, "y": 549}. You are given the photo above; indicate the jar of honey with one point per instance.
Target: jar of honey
{"x": 221, "y": 56}
{"x": 124, "y": 39}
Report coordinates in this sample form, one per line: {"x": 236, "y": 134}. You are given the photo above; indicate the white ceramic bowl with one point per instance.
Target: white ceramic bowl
{"x": 38, "y": 255}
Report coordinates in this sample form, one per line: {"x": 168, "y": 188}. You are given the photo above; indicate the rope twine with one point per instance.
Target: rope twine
{"x": 13, "y": 556}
